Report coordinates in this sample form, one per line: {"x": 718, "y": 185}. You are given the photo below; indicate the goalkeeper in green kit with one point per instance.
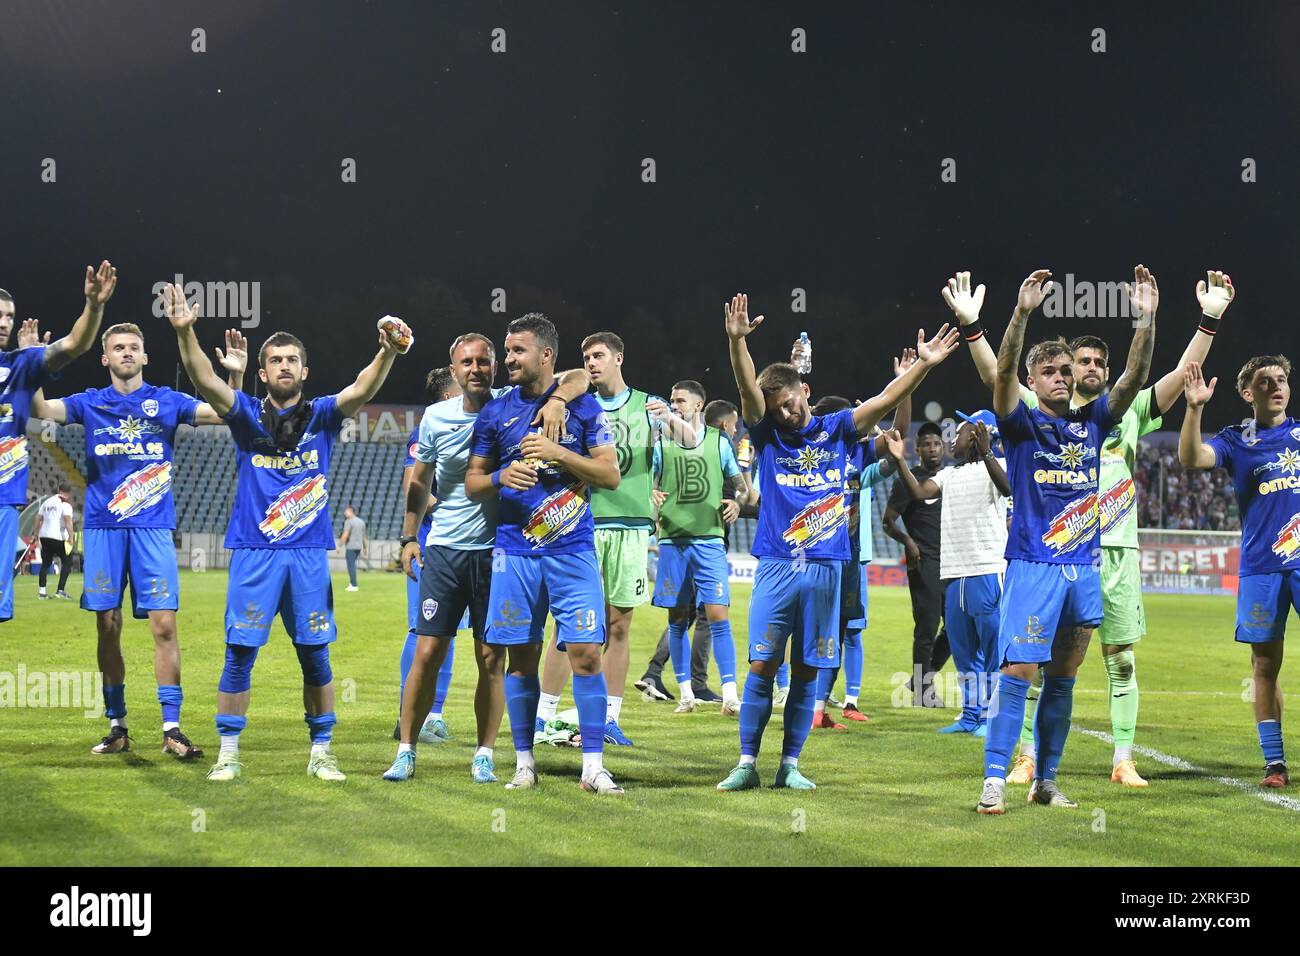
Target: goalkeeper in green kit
{"x": 1121, "y": 578}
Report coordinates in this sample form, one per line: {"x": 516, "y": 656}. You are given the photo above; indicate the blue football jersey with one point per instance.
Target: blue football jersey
{"x": 553, "y": 516}
{"x": 282, "y": 498}
{"x": 803, "y": 510}
{"x": 1265, "y": 468}
{"x": 412, "y": 446}
{"x": 1053, "y": 465}
{"x": 129, "y": 453}
{"x": 22, "y": 372}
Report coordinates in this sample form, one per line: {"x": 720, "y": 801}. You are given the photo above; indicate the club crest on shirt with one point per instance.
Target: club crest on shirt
{"x": 295, "y": 508}
{"x": 4, "y": 373}
{"x": 1295, "y": 434}
{"x": 141, "y": 490}
{"x": 1072, "y": 525}
{"x": 150, "y": 407}
{"x": 13, "y": 457}
{"x": 1077, "y": 429}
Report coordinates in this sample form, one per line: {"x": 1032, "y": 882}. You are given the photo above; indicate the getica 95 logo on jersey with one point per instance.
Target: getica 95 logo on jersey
{"x": 1069, "y": 466}
{"x": 140, "y": 490}
{"x": 802, "y": 469}
{"x": 295, "y": 508}
{"x": 13, "y": 457}
{"x": 1287, "y": 462}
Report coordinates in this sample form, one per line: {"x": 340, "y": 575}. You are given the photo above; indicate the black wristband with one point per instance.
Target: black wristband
{"x": 406, "y": 539}
{"x": 556, "y": 398}
{"x": 1209, "y": 324}
{"x": 973, "y": 332}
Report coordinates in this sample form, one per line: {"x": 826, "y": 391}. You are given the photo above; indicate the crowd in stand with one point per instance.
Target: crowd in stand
{"x": 1191, "y": 500}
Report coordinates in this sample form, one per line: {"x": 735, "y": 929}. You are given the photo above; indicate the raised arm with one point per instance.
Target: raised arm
{"x": 928, "y": 355}
{"x": 1215, "y": 293}
{"x": 198, "y": 367}
{"x": 966, "y": 306}
{"x": 372, "y": 376}
{"x": 234, "y": 360}
{"x": 678, "y": 429}
{"x": 983, "y": 439}
{"x": 738, "y": 325}
{"x": 1192, "y": 452}
{"x": 568, "y": 386}
{"x": 1006, "y": 379}
{"x": 917, "y": 489}
{"x": 99, "y": 288}
{"x": 1144, "y": 296}
{"x": 48, "y": 409}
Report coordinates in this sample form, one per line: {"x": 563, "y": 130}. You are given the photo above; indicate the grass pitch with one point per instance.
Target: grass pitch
{"x": 891, "y": 791}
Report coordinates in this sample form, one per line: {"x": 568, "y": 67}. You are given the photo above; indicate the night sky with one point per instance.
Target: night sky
{"x": 775, "y": 170}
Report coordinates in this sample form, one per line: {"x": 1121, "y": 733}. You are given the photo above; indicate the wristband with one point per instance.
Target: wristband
{"x": 406, "y": 539}
{"x": 973, "y": 332}
{"x": 556, "y": 398}
{"x": 1209, "y": 324}
{"x": 496, "y": 478}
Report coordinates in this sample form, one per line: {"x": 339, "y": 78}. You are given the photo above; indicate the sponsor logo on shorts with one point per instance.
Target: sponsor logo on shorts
{"x": 817, "y": 522}
{"x": 1260, "y": 614}
{"x": 141, "y": 490}
{"x": 100, "y": 584}
{"x": 556, "y": 516}
{"x": 13, "y": 456}
{"x": 510, "y": 615}
{"x": 1033, "y": 633}
{"x": 252, "y": 618}
{"x": 1287, "y": 543}
{"x": 295, "y": 509}
{"x": 1117, "y": 504}
{"x": 1072, "y": 525}
{"x": 429, "y": 608}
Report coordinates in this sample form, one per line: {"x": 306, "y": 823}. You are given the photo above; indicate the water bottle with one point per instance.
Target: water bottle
{"x": 804, "y": 362}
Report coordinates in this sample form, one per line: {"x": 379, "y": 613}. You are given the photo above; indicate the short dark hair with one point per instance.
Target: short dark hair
{"x": 1253, "y": 365}
{"x": 543, "y": 330}
{"x": 778, "y": 376}
{"x": 438, "y": 381}
{"x": 692, "y": 386}
{"x": 717, "y": 410}
{"x": 65, "y": 486}
{"x": 1091, "y": 342}
{"x": 831, "y": 403}
{"x": 611, "y": 340}
{"x": 278, "y": 340}
{"x": 929, "y": 428}
{"x": 472, "y": 337}
{"x": 1047, "y": 349}
{"x": 6, "y": 295}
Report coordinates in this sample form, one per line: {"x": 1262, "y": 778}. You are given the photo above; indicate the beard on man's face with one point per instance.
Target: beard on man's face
{"x": 284, "y": 391}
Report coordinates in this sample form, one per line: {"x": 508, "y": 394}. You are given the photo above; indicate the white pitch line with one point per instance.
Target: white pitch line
{"x": 1180, "y": 764}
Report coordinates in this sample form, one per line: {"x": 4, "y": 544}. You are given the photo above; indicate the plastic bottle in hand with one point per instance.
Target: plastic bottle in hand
{"x": 803, "y": 362}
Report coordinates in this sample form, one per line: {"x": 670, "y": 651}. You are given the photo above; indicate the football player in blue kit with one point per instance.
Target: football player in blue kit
{"x": 545, "y": 556}
{"x": 1051, "y": 598}
{"x": 280, "y": 532}
{"x": 22, "y": 371}
{"x": 802, "y": 538}
{"x": 130, "y": 430}
{"x": 1264, "y": 458}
